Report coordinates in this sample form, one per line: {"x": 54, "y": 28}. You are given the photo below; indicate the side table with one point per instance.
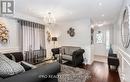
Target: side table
{"x": 46, "y": 61}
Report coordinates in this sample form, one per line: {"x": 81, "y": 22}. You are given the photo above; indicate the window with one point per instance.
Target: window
{"x": 99, "y": 37}
{"x": 32, "y": 35}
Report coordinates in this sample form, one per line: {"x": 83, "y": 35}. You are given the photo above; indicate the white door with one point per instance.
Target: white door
{"x": 101, "y": 42}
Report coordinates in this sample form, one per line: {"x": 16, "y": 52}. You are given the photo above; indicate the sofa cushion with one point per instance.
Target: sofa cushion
{"x": 68, "y": 50}
{"x": 13, "y": 58}
{"x": 16, "y": 56}
{"x": 27, "y": 66}
{"x": 67, "y": 57}
{"x": 8, "y": 56}
{"x": 37, "y": 75}
{"x": 9, "y": 67}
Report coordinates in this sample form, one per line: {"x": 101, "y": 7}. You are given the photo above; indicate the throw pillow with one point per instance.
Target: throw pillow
{"x": 13, "y": 58}
{"x": 9, "y": 67}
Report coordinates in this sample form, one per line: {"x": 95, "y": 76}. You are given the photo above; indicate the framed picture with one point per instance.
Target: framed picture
{"x": 125, "y": 29}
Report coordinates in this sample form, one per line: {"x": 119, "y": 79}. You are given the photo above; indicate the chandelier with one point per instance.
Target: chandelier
{"x": 49, "y": 19}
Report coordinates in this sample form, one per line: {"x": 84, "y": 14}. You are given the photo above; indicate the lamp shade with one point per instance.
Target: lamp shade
{"x": 54, "y": 38}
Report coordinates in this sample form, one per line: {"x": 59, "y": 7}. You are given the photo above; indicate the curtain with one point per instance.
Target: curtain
{"x": 32, "y": 36}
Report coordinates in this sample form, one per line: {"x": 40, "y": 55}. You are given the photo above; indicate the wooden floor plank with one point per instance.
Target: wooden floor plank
{"x": 101, "y": 73}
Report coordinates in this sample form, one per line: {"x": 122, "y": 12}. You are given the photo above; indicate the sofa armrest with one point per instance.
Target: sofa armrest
{"x": 37, "y": 74}
{"x": 77, "y": 57}
{"x": 27, "y": 66}
{"x": 78, "y": 52}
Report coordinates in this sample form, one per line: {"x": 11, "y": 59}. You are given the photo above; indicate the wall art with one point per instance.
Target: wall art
{"x": 71, "y": 32}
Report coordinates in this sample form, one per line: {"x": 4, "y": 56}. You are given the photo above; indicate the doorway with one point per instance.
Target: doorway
{"x": 101, "y": 44}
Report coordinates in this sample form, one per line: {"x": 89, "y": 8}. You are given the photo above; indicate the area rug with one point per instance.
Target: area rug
{"x": 73, "y": 74}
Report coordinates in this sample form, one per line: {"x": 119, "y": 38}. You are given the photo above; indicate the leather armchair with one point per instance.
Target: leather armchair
{"x": 77, "y": 57}
{"x": 73, "y": 54}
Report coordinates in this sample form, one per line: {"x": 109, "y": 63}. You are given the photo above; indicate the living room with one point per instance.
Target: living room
{"x": 64, "y": 41}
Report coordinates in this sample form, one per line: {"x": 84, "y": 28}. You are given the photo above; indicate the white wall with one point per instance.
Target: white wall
{"x": 123, "y": 54}
{"x": 13, "y": 43}
{"x": 82, "y": 35}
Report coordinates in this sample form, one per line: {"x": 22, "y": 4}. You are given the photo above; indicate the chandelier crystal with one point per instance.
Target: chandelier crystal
{"x": 49, "y": 19}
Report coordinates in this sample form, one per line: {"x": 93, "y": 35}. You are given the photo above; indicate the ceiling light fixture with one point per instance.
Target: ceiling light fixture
{"x": 100, "y": 25}
{"x": 92, "y": 26}
{"x": 49, "y": 19}
{"x": 100, "y": 4}
{"x": 102, "y": 15}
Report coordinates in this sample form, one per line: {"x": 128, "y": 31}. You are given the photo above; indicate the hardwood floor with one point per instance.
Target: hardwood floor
{"x": 100, "y": 73}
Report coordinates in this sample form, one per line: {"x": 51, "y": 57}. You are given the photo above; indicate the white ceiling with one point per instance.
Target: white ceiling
{"x": 99, "y": 11}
